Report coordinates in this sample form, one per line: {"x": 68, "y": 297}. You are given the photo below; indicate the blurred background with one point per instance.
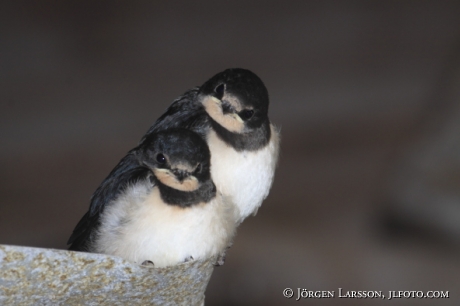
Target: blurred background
{"x": 366, "y": 194}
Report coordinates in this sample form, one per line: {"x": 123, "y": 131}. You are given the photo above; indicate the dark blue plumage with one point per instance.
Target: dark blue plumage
{"x": 128, "y": 171}
{"x": 188, "y": 112}
{"x": 184, "y": 112}
{"x": 179, "y": 145}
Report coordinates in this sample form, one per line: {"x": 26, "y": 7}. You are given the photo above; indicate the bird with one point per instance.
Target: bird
{"x": 159, "y": 205}
{"x": 230, "y": 112}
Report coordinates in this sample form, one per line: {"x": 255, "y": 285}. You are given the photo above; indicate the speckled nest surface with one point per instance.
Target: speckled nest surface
{"x": 36, "y": 276}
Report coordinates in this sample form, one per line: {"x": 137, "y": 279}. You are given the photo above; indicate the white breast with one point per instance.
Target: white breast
{"x": 245, "y": 176}
{"x": 139, "y": 226}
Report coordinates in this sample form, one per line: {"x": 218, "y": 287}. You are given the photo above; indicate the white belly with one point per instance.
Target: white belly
{"x": 245, "y": 176}
{"x": 164, "y": 234}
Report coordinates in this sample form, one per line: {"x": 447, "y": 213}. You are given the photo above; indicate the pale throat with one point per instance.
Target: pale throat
{"x": 232, "y": 122}
{"x": 167, "y": 178}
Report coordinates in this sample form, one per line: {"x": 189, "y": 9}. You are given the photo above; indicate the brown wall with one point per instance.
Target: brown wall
{"x": 351, "y": 84}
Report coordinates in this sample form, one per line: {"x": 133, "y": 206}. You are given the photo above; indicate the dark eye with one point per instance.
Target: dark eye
{"x": 161, "y": 159}
{"x": 220, "y": 89}
{"x": 246, "y": 114}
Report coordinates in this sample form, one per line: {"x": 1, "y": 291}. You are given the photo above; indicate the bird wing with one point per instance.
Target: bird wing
{"x": 185, "y": 112}
{"x": 127, "y": 171}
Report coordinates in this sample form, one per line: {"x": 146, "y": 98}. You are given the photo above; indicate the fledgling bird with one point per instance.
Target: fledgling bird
{"x": 230, "y": 111}
{"x": 159, "y": 204}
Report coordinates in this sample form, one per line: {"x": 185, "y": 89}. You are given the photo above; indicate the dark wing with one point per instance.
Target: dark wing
{"x": 126, "y": 172}
{"x": 185, "y": 112}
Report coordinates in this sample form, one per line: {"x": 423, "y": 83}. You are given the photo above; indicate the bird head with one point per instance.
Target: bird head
{"x": 178, "y": 158}
{"x": 237, "y": 99}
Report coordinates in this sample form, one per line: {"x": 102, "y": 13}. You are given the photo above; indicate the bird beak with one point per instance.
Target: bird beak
{"x": 215, "y": 100}
{"x": 226, "y": 107}
{"x": 181, "y": 175}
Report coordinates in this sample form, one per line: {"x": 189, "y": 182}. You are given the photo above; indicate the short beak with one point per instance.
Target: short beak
{"x": 181, "y": 175}
{"x": 226, "y": 107}
{"x": 215, "y": 100}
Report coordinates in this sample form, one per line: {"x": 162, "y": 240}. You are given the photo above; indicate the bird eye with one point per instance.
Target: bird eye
{"x": 246, "y": 114}
{"x": 219, "y": 90}
{"x": 161, "y": 159}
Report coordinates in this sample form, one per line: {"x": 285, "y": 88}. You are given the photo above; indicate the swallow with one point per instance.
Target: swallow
{"x": 159, "y": 205}
{"x": 230, "y": 111}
